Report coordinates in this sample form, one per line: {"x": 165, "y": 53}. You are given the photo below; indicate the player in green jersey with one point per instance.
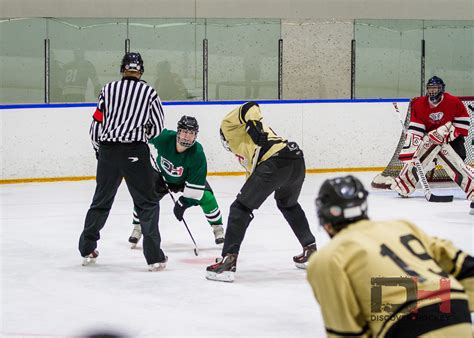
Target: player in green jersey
{"x": 183, "y": 166}
{"x": 389, "y": 278}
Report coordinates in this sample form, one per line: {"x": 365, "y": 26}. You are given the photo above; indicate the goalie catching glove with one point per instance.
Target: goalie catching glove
{"x": 443, "y": 134}
{"x": 412, "y": 142}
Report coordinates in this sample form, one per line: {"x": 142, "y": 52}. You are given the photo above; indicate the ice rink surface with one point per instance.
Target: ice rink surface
{"x": 45, "y": 292}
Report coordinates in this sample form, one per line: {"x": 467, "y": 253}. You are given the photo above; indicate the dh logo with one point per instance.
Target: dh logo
{"x": 410, "y": 284}
{"x": 170, "y": 169}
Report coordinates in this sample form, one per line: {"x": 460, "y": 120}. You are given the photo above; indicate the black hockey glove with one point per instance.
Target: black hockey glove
{"x": 256, "y": 133}
{"x": 179, "y": 208}
{"x": 160, "y": 184}
{"x": 175, "y": 187}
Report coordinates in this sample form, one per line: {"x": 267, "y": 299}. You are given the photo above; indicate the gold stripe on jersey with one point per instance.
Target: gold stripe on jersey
{"x": 350, "y": 271}
{"x": 240, "y": 143}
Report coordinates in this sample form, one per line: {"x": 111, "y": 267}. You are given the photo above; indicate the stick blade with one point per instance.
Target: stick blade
{"x": 440, "y": 199}
{"x": 196, "y": 251}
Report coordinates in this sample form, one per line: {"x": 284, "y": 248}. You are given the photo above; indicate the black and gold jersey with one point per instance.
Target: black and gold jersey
{"x": 374, "y": 277}
{"x": 241, "y": 145}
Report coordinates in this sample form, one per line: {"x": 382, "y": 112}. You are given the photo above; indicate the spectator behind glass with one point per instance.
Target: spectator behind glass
{"x": 169, "y": 85}
{"x": 77, "y": 74}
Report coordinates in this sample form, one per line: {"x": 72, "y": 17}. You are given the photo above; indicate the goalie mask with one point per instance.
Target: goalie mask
{"x": 187, "y": 131}
{"x": 434, "y": 89}
{"x": 132, "y": 62}
{"x": 341, "y": 201}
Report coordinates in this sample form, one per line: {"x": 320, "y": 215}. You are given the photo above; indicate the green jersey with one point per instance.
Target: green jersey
{"x": 188, "y": 169}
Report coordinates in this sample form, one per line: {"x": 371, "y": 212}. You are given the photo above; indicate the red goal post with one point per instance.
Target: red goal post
{"x": 384, "y": 179}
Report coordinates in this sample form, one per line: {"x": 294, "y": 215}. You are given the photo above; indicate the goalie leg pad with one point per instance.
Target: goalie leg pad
{"x": 457, "y": 170}
{"x": 405, "y": 183}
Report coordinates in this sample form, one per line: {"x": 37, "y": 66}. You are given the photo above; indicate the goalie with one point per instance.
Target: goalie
{"x": 438, "y": 124}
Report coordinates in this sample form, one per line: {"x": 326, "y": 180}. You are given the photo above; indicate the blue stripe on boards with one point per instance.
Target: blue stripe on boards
{"x": 200, "y": 103}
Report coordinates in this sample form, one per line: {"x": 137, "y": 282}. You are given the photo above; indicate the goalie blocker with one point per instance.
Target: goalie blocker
{"x": 426, "y": 150}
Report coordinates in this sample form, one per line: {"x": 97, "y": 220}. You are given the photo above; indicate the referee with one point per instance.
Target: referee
{"x": 128, "y": 114}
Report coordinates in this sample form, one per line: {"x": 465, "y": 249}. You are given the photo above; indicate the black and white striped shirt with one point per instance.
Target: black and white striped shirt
{"x": 128, "y": 110}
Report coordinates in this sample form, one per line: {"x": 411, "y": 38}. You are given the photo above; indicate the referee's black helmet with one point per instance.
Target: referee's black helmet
{"x": 133, "y": 62}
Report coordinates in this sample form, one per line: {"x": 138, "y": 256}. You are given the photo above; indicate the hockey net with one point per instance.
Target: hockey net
{"x": 384, "y": 179}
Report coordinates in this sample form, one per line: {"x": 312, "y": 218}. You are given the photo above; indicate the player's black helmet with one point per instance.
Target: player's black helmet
{"x": 132, "y": 61}
{"x": 187, "y": 123}
{"x": 435, "y": 88}
{"x": 341, "y": 201}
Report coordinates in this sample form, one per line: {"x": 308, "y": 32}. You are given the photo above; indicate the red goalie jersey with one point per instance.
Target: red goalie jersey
{"x": 426, "y": 117}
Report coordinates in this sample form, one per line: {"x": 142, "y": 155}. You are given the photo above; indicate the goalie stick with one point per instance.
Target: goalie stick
{"x": 430, "y": 197}
{"x": 155, "y": 166}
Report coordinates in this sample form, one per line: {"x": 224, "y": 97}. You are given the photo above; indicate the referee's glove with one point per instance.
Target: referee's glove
{"x": 180, "y": 206}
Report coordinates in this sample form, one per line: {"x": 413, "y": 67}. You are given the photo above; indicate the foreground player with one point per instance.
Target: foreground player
{"x": 373, "y": 278}
{"x": 272, "y": 165}
{"x": 438, "y": 124}
{"x": 183, "y": 166}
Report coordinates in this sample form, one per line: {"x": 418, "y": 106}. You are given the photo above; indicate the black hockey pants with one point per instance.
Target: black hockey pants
{"x": 283, "y": 174}
{"x": 130, "y": 161}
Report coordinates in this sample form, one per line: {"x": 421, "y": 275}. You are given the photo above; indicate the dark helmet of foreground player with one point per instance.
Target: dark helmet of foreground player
{"x": 435, "y": 88}
{"x": 188, "y": 123}
{"x": 133, "y": 62}
{"x": 341, "y": 201}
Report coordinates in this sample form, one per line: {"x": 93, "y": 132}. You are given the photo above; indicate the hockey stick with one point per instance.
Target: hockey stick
{"x": 155, "y": 166}
{"x": 430, "y": 197}
{"x": 196, "y": 251}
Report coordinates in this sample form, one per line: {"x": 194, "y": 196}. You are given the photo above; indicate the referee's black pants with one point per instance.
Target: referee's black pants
{"x": 130, "y": 161}
{"x": 283, "y": 174}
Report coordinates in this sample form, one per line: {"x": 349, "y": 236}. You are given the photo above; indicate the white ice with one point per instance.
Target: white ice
{"x": 45, "y": 292}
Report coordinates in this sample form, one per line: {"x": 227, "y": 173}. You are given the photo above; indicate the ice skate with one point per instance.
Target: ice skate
{"x": 218, "y": 233}
{"x": 90, "y": 258}
{"x": 135, "y": 236}
{"x": 158, "y": 266}
{"x": 302, "y": 259}
{"x": 223, "y": 270}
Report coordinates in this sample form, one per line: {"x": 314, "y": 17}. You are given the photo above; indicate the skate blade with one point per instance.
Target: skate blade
{"x": 157, "y": 267}
{"x": 88, "y": 261}
{"x": 133, "y": 245}
{"x": 471, "y": 212}
{"x": 301, "y": 265}
{"x": 226, "y": 276}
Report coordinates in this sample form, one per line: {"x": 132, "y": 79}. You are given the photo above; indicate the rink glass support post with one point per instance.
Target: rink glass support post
{"x": 353, "y": 67}
{"x": 205, "y": 73}
{"x": 280, "y": 69}
{"x": 422, "y": 72}
{"x": 127, "y": 46}
{"x": 46, "y": 70}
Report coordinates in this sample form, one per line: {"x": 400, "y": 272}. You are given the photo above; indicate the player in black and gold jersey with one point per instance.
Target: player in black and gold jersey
{"x": 386, "y": 279}
{"x": 272, "y": 165}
